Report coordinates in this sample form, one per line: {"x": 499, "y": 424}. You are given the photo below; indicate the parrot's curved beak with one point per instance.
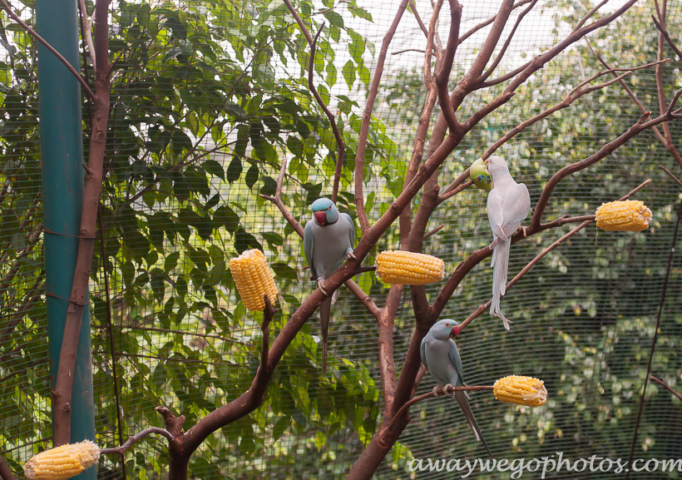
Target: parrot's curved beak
{"x": 321, "y": 218}
{"x": 455, "y": 332}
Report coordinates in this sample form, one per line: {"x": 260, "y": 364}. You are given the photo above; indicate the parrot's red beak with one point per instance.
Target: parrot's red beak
{"x": 455, "y": 332}
{"x": 321, "y": 218}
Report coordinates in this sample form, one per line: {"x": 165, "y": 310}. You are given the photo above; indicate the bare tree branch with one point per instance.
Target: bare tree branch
{"x": 434, "y": 231}
{"x": 54, "y": 52}
{"x": 364, "y": 298}
{"x": 664, "y": 31}
{"x": 500, "y": 55}
{"x": 670, "y": 174}
{"x": 367, "y": 117}
{"x": 487, "y": 22}
{"x": 277, "y": 200}
{"x": 629, "y": 91}
{"x": 5, "y": 472}
{"x": 590, "y": 14}
{"x": 340, "y": 144}
{"x": 442, "y": 74}
{"x": 666, "y": 386}
{"x": 88, "y": 34}
{"x": 136, "y": 438}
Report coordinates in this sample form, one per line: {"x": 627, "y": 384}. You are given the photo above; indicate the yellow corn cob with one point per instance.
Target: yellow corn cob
{"x": 627, "y": 216}
{"x": 520, "y": 390}
{"x": 253, "y": 279}
{"x": 62, "y": 462}
{"x": 407, "y": 268}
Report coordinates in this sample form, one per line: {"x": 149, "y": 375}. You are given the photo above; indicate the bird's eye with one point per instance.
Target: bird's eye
{"x": 330, "y": 207}
{"x": 447, "y": 324}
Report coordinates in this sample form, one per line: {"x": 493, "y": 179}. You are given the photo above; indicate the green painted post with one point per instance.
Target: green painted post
{"x": 61, "y": 136}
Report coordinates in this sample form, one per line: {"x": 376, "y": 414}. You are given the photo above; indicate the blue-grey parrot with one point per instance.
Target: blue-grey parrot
{"x": 441, "y": 357}
{"x": 329, "y": 239}
{"x": 508, "y": 206}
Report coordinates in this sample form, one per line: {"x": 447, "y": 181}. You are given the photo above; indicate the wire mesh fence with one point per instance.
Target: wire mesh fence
{"x": 208, "y": 98}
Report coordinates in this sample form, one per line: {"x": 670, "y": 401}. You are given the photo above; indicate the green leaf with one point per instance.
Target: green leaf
{"x": 171, "y": 261}
{"x": 331, "y": 74}
{"x": 227, "y": 217}
{"x": 364, "y": 73}
{"x": 280, "y": 427}
{"x": 252, "y": 176}
{"x": 214, "y": 168}
{"x": 282, "y": 270}
{"x": 334, "y": 18}
{"x": 349, "y": 73}
{"x": 234, "y": 170}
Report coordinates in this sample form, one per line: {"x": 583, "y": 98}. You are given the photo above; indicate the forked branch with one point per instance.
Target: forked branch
{"x": 340, "y": 144}
{"x": 52, "y": 50}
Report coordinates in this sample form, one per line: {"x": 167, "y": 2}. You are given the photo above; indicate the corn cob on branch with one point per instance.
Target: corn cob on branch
{"x": 623, "y": 216}
{"x": 253, "y": 279}
{"x": 519, "y": 390}
{"x": 409, "y": 268}
{"x": 62, "y": 462}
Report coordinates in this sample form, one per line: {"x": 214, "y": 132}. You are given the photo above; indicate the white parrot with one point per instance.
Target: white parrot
{"x": 508, "y": 206}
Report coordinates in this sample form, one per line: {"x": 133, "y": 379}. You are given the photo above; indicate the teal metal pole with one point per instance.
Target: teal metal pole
{"x": 61, "y": 137}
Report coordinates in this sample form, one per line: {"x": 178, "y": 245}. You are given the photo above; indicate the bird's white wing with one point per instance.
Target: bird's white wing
{"x": 495, "y": 207}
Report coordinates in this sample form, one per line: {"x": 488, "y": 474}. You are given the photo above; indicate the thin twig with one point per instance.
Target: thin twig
{"x": 367, "y": 117}
{"x": 590, "y": 14}
{"x": 653, "y": 341}
{"x": 498, "y": 59}
{"x": 440, "y": 390}
{"x": 487, "y": 22}
{"x": 340, "y": 144}
{"x": 434, "y": 231}
{"x": 44, "y": 42}
{"x": 277, "y": 200}
{"x": 110, "y": 331}
{"x": 666, "y": 36}
{"x": 87, "y": 33}
{"x": 666, "y": 386}
{"x": 455, "y": 191}
{"x": 629, "y": 91}
{"x": 136, "y": 438}
{"x": 670, "y": 174}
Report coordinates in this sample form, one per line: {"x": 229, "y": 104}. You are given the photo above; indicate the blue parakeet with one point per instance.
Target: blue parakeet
{"x": 508, "y": 206}
{"x": 329, "y": 239}
{"x": 441, "y": 357}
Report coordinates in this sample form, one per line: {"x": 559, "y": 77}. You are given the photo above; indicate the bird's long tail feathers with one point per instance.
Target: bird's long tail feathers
{"x": 325, "y": 316}
{"x": 461, "y": 398}
{"x": 500, "y": 262}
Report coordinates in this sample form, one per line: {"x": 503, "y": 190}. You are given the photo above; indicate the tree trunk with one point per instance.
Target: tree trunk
{"x": 86, "y": 242}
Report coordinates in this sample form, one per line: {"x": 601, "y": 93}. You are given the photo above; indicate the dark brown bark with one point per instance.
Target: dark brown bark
{"x": 367, "y": 116}
{"x": 5, "y": 472}
{"x": 61, "y": 396}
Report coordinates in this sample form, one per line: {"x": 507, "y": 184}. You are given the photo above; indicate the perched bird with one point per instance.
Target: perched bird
{"x": 441, "y": 357}
{"x": 329, "y": 239}
{"x": 508, "y": 206}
